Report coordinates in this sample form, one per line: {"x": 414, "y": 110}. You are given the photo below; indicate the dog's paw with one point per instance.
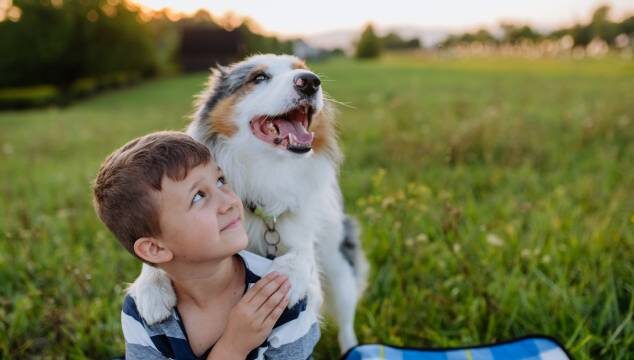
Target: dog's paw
{"x": 153, "y": 294}
{"x": 298, "y": 273}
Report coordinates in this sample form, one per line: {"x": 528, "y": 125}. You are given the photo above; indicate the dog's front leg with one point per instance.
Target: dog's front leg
{"x": 299, "y": 269}
{"x": 153, "y": 294}
{"x": 299, "y": 264}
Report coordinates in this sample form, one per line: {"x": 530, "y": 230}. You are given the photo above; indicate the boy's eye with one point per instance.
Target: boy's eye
{"x": 221, "y": 181}
{"x": 199, "y": 196}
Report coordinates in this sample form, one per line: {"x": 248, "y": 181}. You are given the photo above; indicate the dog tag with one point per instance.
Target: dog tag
{"x": 272, "y": 239}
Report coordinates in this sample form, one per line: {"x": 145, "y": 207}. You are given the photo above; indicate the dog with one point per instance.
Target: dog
{"x": 271, "y": 129}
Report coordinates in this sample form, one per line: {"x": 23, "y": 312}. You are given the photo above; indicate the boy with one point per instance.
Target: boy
{"x": 167, "y": 202}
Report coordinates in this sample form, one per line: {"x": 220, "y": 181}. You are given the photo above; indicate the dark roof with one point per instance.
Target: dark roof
{"x": 203, "y": 47}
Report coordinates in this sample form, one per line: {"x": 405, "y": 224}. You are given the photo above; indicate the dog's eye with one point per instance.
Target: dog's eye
{"x": 260, "y": 77}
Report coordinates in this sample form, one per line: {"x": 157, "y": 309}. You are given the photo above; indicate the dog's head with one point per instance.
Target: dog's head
{"x": 272, "y": 102}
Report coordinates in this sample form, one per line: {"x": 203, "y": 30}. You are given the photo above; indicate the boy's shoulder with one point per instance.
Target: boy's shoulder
{"x": 164, "y": 339}
{"x": 129, "y": 308}
{"x": 131, "y": 319}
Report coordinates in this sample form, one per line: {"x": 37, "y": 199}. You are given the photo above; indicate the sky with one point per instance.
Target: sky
{"x": 311, "y": 17}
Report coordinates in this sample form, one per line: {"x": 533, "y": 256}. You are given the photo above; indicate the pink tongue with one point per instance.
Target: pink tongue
{"x": 294, "y": 127}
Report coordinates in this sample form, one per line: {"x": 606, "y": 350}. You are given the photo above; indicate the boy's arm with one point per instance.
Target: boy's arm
{"x": 224, "y": 351}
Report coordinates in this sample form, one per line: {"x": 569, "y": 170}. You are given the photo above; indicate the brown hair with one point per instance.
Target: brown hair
{"x": 123, "y": 189}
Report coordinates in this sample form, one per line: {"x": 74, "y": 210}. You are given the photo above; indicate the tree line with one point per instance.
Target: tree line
{"x": 75, "y": 44}
{"x": 371, "y": 45}
{"x": 599, "y": 27}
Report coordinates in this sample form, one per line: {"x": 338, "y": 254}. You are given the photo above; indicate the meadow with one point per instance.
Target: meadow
{"x": 496, "y": 198}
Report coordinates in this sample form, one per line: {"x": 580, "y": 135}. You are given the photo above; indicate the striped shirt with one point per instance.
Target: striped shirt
{"x": 294, "y": 335}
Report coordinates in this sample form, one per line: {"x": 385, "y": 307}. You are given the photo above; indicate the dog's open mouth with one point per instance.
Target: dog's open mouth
{"x": 289, "y": 130}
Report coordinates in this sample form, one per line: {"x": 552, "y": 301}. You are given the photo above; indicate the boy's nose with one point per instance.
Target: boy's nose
{"x": 229, "y": 201}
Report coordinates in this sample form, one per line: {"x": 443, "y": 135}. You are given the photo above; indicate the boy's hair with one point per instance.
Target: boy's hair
{"x": 124, "y": 189}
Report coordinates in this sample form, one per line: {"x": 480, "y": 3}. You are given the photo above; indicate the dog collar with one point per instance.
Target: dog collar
{"x": 271, "y": 235}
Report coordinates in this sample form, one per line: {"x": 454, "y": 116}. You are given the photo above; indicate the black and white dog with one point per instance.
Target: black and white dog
{"x": 270, "y": 129}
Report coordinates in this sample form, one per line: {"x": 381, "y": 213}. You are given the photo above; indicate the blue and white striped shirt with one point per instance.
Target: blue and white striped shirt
{"x": 294, "y": 335}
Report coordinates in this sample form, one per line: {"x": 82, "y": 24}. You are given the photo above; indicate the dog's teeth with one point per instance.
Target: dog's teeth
{"x": 291, "y": 139}
{"x": 271, "y": 128}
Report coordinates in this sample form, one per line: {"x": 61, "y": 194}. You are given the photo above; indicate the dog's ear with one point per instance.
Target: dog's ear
{"x": 219, "y": 73}
{"x": 220, "y": 70}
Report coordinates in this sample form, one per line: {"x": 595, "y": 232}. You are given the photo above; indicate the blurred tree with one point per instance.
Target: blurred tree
{"x": 31, "y": 51}
{"x": 166, "y": 37}
{"x": 449, "y": 41}
{"x": 202, "y": 16}
{"x": 56, "y": 42}
{"x": 581, "y": 35}
{"x": 627, "y": 26}
{"x": 481, "y": 36}
{"x": 393, "y": 41}
{"x": 485, "y": 37}
{"x": 337, "y": 52}
{"x": 117, "y": 41}
{"x": 230, "y": 20}
{"x": 601, "y": 26}
{"x": 559, "y": 33}
{"x": 369, "y": 45}
{"x": 514, "y": 34}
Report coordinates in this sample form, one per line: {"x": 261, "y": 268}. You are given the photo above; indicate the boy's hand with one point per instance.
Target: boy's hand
{"x": 252, "y": 318}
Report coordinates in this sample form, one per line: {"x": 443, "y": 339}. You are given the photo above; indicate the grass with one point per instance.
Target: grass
{"x": 496, "y": 198}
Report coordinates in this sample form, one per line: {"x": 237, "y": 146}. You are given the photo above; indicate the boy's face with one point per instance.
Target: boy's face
{"x": 200, "y": 216}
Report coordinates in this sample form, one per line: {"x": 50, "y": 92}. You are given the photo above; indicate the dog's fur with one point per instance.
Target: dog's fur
{"x": 301, "y": 189}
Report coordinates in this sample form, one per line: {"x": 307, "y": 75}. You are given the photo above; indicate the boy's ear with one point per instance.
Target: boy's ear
{"x": 151, "y": 250}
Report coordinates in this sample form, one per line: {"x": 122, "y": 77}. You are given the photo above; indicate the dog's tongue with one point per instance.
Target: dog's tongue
{"x": 294, "y": 127}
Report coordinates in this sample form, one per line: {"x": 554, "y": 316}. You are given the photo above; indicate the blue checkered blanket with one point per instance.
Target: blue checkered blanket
{"x": 528, "y": 348}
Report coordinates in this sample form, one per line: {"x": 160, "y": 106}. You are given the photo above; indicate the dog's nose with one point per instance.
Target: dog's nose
{"x": 307, "y": 83}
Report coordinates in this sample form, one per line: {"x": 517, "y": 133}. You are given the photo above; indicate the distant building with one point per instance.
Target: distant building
{"x": 203, "y": 47}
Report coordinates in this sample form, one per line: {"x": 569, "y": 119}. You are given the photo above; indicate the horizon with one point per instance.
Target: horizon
{"x": 540, "y": 14}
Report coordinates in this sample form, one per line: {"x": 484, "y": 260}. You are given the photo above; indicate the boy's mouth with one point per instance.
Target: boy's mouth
{"x": 232, "y": 224}
{"x": 288, "y": 130}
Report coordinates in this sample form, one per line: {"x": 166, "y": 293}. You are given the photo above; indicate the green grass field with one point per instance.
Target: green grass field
{"x": 496, "y": 197}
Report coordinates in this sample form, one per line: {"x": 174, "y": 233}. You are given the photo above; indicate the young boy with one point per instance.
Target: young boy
{"x": 167, "y": 202}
